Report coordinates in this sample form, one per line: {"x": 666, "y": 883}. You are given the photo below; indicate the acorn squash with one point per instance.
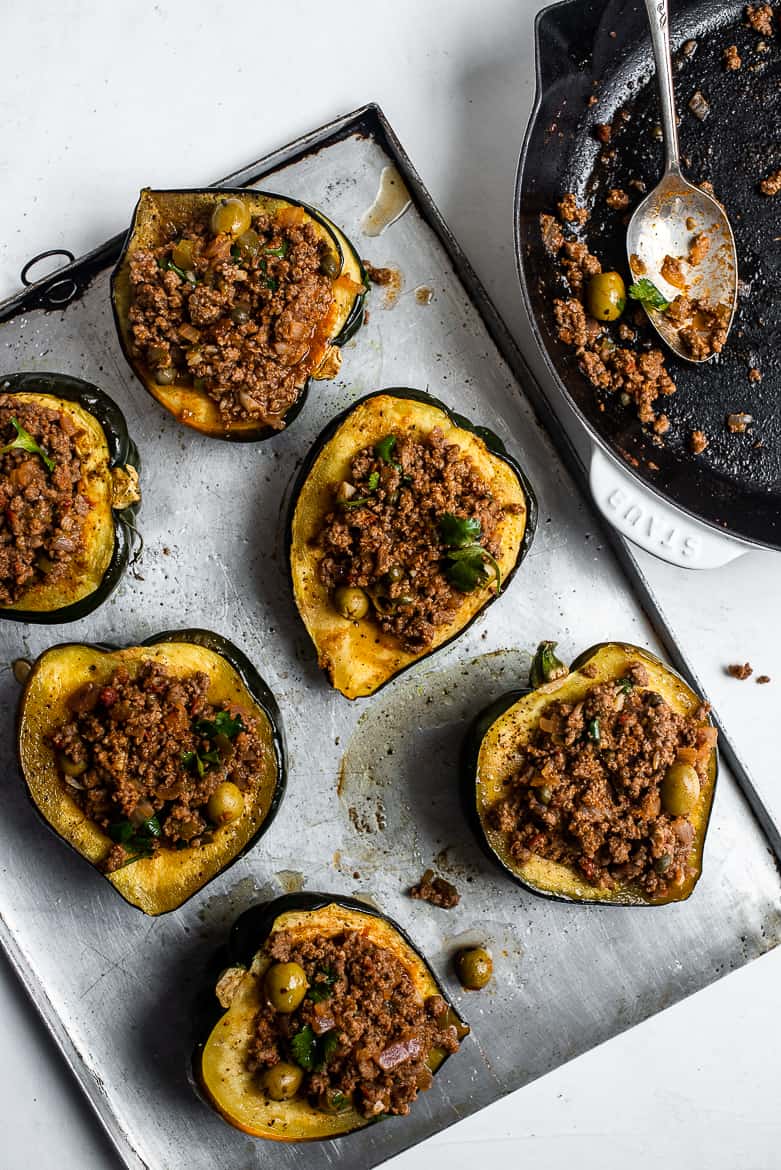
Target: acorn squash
{"x": 490, "y": 757}
{"x": 110, "y": 466}
{"x": 155, "y": 214}
{"x": 166, "y": 880}
{"x": 219, "y": 1064}
{"x": 356, "y": 655}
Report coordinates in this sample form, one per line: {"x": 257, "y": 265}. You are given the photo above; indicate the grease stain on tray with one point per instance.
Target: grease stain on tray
{"x": 390, "y": 802}
{"x": 424, "y": 295}
{"x": 390, "y": 203}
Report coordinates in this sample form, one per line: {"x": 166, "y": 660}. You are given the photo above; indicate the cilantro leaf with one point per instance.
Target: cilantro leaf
{"x": 272, "y": 283}
{"x": 180, "y": 272}
{"x": 223, "y": 723}
{"x": 281, "y": 251}
{"x": 25, "y": 442}
{"x": 469, "y": 568}
{"x": 384, "y": 448}
{"x": 593, "y": 730}
{"x": 374, "y": 481}
{"x": 328, "y": 1046}
{"x": 645, "y": 291}
{"x": 457, "y": 531}
{"x": 625, "y": 685}
{"x": 303, "y": 1048}
{"x": 320, "y": 988}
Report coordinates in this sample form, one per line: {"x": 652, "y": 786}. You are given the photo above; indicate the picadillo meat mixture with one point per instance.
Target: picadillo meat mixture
{"x": 42, "y": 507}
{"x": 590, "y": 788}
{"x": 148, "y": 758}
{"x": 234, "y": 318}
{"x": 362, "y": 1034}
{"x": 414, "y": 528}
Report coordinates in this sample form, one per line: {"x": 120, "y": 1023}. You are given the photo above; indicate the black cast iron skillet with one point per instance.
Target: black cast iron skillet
{"x": 586, "y": 48}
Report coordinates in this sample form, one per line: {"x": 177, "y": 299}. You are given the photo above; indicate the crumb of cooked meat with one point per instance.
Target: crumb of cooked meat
{"x": 699, "y": 248}
{"x": 732, "y": 58}
{"x": 570, "y": 212}
{"x": 661, "y": 424}
{"x": 760, "y": 18}
{"x": 698, "y": 441}
{"x": 617, "y": 200}
{"x": 571, "y": 321}
{"x": 763, "y": 678}
{"x": 707, "y": 187}
{"x": 638, "y": 185}
{"x": 436, "y": 890}
{"x": 702, "y": 327}
{"x": 772, "y": 184}
{"x": 738, "y": 421}
{"x": 552, "y": 235}
{"x": 741, "y": 671}
{"x": 671, "y": 271}
{"x": 593, "y": 99}
{"x": 754, "y": 375}
{"x": 603, "y": 131}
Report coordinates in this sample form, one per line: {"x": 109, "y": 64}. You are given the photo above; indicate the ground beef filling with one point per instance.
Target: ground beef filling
{"x": 362, "y": 1024}
{"x": 588, "y": 791}
{"x": 384, "y": 535}
{"x": 42, "y": 510}
{"x": 239, "y": 320}
{"x": 142, "y": 755}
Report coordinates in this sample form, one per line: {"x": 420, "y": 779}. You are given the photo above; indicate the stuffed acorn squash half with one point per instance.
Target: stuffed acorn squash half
{"x": 406, "y": 522}
{"x": 228, "y": 301}
{"x": 161, "y": 764}
{"x": 68, "y": 496}
{"x": 326, "y": 1019}
{"x": 597, "y": 784}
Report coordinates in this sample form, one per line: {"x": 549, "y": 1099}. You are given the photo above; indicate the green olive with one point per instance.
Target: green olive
{"x": 329, "y": 265}
{"x": 183, "y": 255}
{"x": 606, "y": 296}
{"x": 352, "y": 603}
{"x": 248, "y": 244}
{"x": 395, "y": 573}
{"x": 475, "y": 968}
{"x": 240, "y": 312}
{"x": 680, "y": 790}
{"x": 545, "y": 794}
{"x": 70, "y": 768}
{"x": 231, "y": 216}
{"x": 286, "y": 986}
{"x": 226, "y": 803}
{"x": 165, "y": 375}
{"x": 663, "y": 863}
{"x": 282, "y": 1081}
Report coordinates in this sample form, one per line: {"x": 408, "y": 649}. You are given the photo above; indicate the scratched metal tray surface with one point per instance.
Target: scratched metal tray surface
{"x": 373, "y": 790}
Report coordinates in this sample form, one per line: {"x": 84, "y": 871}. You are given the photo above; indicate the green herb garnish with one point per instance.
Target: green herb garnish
{"x": 384, "y": 448}
{"x": 303, "y": 1047}
{"x": 180, "y": 272}
{"x": 458, "y": 532}
{"x": 645, "y": 291}
{"x": 328, "y": 1046}
{"x": 223, "y": 723}
{"x": 200, "y": 762}
{"x": 272, "y": 283}
{"x": 593, "y": 730}
{"x": 25, "y": 442}
{"x": 625, "y": 685}
{"x": 138, "y": 837}
{"x": 281, "y": 251}
{"x": 320, "y": 989}
{"x": 374, "y": 481}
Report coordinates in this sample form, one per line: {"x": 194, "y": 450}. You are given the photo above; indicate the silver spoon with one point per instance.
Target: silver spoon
{"x": 675, "y": 213}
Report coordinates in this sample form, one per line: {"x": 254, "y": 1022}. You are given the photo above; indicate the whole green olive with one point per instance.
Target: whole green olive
{"x": 183, "y": 255}
{"x": 606, "y": 296}
{"x": 248, "y": 244}
{"x": 474, "y": 967}
{"x": 351, "y": 602}
{"x": 329, "y": 265}
{"x": 282, "y": 1081}
{"x": 680, "y": 790}
{"x": 395, "y": 574}
{"x": 69, "y": 767}
{"x": 165, "y": 375}
{"x": 286, "y": 986}
{"x": 226, "y": 803}
{"x": 231, "y": 216}
{"x": 240, "y": 312}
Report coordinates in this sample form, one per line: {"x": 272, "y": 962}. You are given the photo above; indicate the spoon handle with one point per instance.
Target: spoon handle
{"x": 658, "y": 18}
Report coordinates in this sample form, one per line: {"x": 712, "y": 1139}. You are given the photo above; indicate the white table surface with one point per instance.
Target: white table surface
{"x": 96, "y": 101}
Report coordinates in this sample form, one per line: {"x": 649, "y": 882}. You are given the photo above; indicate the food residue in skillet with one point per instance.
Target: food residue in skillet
{"x": 436, "y": 890}
{"x": 740, "y": 670}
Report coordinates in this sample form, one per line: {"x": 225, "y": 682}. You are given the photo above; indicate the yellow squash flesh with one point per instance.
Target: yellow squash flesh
{"x": 88, "y": 567}
{"x": 497, "y": 761}
{"x": 156, "y": 211}
{"x": 357, "y": 656}
{"x": 223, "y": 1074}
{"x": 165, "y": 881}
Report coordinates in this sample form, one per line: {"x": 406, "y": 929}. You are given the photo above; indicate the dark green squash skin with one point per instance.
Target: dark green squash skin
{"x": 494, "y": 445}
{"x": 260, "y": 692}
{"x": 247, "y": 935}
{"x": 470, "y": 750}
{"x": 349, "y": 329}
{"x": 122, "y": 453}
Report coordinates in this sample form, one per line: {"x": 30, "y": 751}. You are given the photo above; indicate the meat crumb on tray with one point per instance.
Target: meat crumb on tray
{"x": 436, "y": 890}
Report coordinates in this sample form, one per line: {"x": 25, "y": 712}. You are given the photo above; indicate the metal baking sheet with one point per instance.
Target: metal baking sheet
{"x": 361, "y": 816}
